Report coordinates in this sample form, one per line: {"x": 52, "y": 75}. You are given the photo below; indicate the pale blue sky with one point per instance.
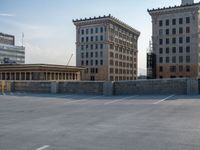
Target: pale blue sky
{"x": 50, "y": 33}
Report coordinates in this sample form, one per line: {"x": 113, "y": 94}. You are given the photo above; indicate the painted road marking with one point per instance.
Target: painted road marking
{"x": 162, "y": 100}
{"x": 115, "y": 101}
{"x": 43, "y": 147}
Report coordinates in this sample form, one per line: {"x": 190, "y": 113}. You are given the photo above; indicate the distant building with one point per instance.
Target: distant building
{"x": 39, "y": 72}
{"x": 176, "y": 41}
{"x": 107, "y": 47}
{"x": 9, "y": 53}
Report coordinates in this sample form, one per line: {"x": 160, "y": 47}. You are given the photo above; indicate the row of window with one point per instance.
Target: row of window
{"x": 122, "y": 64}
{"x": 122, "y": 71}
{"x": 174, "y": 59}
{"x": 91, "y": 62}
{"x": 92, "y": 38}
{"x": 174, "y": 31}
{"x": 92, "y": 46}
{"x": 122, "y": 50}
{"x": 121, "y": 57}
{"x": 174, "y": 21}
{"x": 116, "y": 78}
{"x": 174, "y": 50}
{"x": 93, "y": 30}
{"x": 176, "y": 69}
{"x": 91, "y": 54}
{"x": 174, "y": 40}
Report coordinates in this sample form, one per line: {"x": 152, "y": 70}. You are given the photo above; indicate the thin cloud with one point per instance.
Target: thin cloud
{"x": 7, "y": 15}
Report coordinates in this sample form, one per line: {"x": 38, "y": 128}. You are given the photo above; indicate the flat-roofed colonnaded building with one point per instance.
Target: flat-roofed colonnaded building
{"x": 176, "y": 40}
{"x": 9, "y": 53}
{"x": 107, "y": 47}
{"x": 39, "y": 72}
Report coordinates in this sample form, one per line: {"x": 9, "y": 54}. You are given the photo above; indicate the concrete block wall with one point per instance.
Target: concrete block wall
{"x": 31, "y": 87}
{"x": 81, "y": 87}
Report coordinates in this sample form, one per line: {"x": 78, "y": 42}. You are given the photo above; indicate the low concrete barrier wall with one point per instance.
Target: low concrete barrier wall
{"x": 31, "y": 87}
{"x": 81, "y": 87}
{"x": 139, "y": 87}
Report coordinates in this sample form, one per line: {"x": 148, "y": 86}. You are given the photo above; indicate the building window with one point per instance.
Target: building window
{"x": 180, "y": 30}
{"x": 87, "y": 39}
{"x": 167, "y": 31}
{"x": 180, "y": 20}
{"x": 96, "y": 62}
{"x": 91, "y": 47}
{"x": 187, "y": 59}
{"x": 82, "y": 39}
{"x": 101, "y": 62}
{"x": 174, "y": 50}
{"x": 180, "y": 49}
{"x": 167, "y": 22}
{"x": 101, "y": 54}
{"x": 167, "y": 40}
{"x": 82, "y": 55}
{"x": 174, "y": 31}
{"x": 87, "y": 31}
{"x": 96, "y": 46}
{"x": 160, "y": 23}
{"x": 161, "y": 32}
{"x": 161, "y": 50}
{"x": 86, "y": 47}
{"x": 82, "y": 62}
{"x": 91, "y": 38}
{"x": 174, "y": 59}
{"x": 173, "y": 21}
{"x": 167, "y": 60}
{"x": 160, "y": 69}
{"x": 187, "y": 68}
{"x": 187, "y": 39}
{"x": 187, "y": 29}
{"x": 101, "y": 46}
{"x": 101, "y": 29}
{"x": 96, "y": 54}
{"x": 188, "y": 49}
{"x": 86, "y": 54}
{"x": 174, "y": 40}
{"x": 187, "y": 20}
{"x": 91, "y": 62}
{"x": 96, "y": 38}
{"x": 86, "y": 62}
{"x": 82, "y": 47}
{"x": 161, "y": 41}
{"x": 167, "y": 50}
{"x": 161, "y": 59}
{"x": 180, "y": 59}
{"x": 91, "y": 54}
{"x": 82, "y": 31}
{"x": 180, "y": 40}
{"x": 172, "y": 68}
{"x": 96, "y": 30}
{"x": 91, "y": 31}
{"x": 181, "y": 68}
{"x": 101, "y": 37}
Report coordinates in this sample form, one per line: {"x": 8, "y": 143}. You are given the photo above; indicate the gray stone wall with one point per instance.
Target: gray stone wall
{"x": 81, "y": 87}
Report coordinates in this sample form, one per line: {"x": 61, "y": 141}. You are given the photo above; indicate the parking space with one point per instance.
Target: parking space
{"x": 82, "y": 122}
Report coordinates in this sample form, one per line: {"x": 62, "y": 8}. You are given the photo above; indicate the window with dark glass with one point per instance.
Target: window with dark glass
{"x": 161, "y": 59}
{"x": 167, "y": 50}
{"x": 101, "y": 37}
{"x": 187, "y": 29}
{"x": 173, "y": 21}
{"x": 161, "y": 50}
{"x": 167, "y": 60}
{"x": 82, "y": 31}
{"x": 96, "y": 38}
{"x": 87, "y": 39}
{"x": 91, "y": 31}
{"x": 87, "y": 31}
{"x": 96, "y": 30}
{"x": 180, "y": 30}
{"x": 101, "y": 29}
{"x": 180, "y": 49}
{"x": 160, "y": 23}
{"x": 91, "y": 47}
{"x": 180, "y": 59}
{"x": 174, "y": 31}
{"x": 180, "y": 40}
{"x": 167, "y": 31}
{"x": 187, "y": 39}
{"x": 174, "y": 59}
{"x": 188, "y": 68}
{"x": 101, "y": 46}
{"x": 174, "y": 40}
{"x": 187, "y": 59}
{"x": 91, "y": 54}
{"x": 180, "y": 20}
{"x": 96, "y": 46}
{"x": 187, "y": 19}
{"x": 167, "y": 22}
{"x": 167, "y": 41}
{"x": 161, "y": 69}
{"x": 86, "y": 54}
{"x": 82, "y": 47}
{"x": 82, "y": 39}
{"x": 91, "y": 38}
{"x": 174, "y": 50}
{"x": 161, "y": 41}
{"x": 188, "y": 49}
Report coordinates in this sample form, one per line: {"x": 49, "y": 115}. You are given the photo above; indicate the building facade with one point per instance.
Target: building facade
{"x": 39, "y": 72}
{"x": 107, "y": 47}
{"x": 176, "y": 41}
{"x": 9, "y": 53}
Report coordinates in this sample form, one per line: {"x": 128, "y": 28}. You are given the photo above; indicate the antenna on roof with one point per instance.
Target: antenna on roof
{"x": 69, "y": 59}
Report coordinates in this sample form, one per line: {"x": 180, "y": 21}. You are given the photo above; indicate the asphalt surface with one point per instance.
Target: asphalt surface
{"x": 75, "y": 122}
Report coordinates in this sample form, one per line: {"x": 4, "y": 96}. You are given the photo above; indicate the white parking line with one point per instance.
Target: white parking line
{"x": 164, "y": 99}
{"x": 43, "y": 147}
{"x": 81, "y": 100}
{"x": 114, "y": 101}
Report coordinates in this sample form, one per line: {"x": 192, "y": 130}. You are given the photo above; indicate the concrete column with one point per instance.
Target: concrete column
{"x": 108, "y": 88}
{"x": 54, "y": 87}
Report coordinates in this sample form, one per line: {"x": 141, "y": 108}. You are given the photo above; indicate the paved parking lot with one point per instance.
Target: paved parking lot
{"x": 75, "y": 122}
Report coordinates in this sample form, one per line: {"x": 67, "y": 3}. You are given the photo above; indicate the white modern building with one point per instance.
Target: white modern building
{"x": 9, "y": 53}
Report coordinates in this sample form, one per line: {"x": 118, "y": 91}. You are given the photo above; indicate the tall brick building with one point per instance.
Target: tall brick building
{"x": 107, "y": 47}
{"x": 176, "y": 41}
